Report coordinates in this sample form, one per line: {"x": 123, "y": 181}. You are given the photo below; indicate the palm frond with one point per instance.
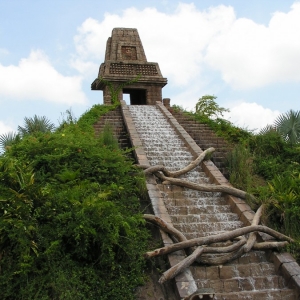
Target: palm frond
{"x": 288, "y": 126}
{"x": 7, "y": 139}
{"x": 267, "y": 129}
{"x": 36, "y": 124}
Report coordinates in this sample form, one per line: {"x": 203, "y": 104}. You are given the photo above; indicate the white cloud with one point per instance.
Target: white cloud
{"x": 184, "y": 42}
{"x": 250, "y": 55}
{"x": 176, "y": 41}
{"x": 35, "y": 78}
{"x": 251, "y": 116}
{"x": 4, "y": 128}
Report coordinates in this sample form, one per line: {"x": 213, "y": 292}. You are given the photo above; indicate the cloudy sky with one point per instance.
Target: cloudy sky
{"x": 247, "y": 53}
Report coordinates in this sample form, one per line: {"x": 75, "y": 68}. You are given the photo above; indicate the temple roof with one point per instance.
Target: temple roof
{"x": 125, "y": 59}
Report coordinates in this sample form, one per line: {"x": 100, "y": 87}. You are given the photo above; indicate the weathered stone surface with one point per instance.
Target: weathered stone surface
{"x": 125, "y": 60}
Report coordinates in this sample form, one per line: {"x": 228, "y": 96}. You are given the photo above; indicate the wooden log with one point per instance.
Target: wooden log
{"x": 194, "y": 163}
{"x": 178, "y": 268}
{"x": 157, "y": 168}
{"x": 191, "y": 166}
{"x": 196, "y": 255}
{"x": 220, "y": 260}
{"x": 253, "y": 235}
{"x": 226, "y": 249}
{"x": 165, "y": 227}
{"x": 269, "y": 245}
{"x": 217, "y": 238}
{"x": 206, "y": 187}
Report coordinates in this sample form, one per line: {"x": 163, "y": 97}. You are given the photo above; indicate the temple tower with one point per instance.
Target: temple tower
{"x": 125, "y": 61}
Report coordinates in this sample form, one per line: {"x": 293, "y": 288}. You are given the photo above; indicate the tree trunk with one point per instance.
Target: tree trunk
{"x": 205, "y": 187}
{"x": 191, "y": 166}
{"x": 217, "y": 238}
{"x": 165, "y": 227}
{"x": 253, "y": 235}
{"x": 178, "y": 268}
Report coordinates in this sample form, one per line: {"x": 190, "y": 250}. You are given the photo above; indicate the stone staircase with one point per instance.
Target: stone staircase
{"x": 205, "y": 137}
{"x": 115, "y": 120}
{"x": 195, "y": 214}
{"x": 252, "y": 276}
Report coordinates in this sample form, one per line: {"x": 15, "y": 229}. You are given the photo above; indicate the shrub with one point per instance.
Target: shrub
{"x": 70, "y": 225}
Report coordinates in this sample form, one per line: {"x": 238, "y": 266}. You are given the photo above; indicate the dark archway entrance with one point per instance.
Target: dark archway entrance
{"x": 137, "y": 96}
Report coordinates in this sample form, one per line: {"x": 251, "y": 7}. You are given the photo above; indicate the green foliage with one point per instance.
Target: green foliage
{"x": 31, "y": 126}
{"x": 115, "y": 90}
{"x": 288, "y": 126}
{"x": 107, "y": 139}
{"x": 223, "y": 128}
{"x": 208, "y": 107}
{"x": 277, "y": 162}
{"x": 70, "y": 225}
{"x": 35, "y": 124}
{"x": 7, "y": 139}
{"x": 240, "y": 167}
{"x": 282, "y": 205}
{"x": 92, "y": 115}
{"x": 67, "y": 118}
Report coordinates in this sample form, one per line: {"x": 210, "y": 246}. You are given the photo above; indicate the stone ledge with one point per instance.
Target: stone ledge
{"x": 288, "y": 267}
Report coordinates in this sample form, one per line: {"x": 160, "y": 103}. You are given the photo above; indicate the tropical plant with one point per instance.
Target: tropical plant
{"x": 107, "y": 138}
{"x": 240, "y": 167}
{"x": 7, "y": 139}
{"x": 208, "y": 107}
{"x": 288, "y": 126}
{"x": 267, "y": 129}
{"x": 36, "y": 124}
{"x": 31, "y": 126}
{"x": 283, "y": 205}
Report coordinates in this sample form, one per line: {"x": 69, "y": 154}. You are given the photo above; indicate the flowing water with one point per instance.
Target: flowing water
{"x": 207, "y": 213}
{"x": 198, "y": 214}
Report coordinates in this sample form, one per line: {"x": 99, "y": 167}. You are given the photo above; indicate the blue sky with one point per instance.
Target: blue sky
{"x": 247, "y": 53}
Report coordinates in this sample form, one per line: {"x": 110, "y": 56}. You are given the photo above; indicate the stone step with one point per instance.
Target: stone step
{"x": 235, "y": 270}
{"x": 193, "y": 209}
{"x": 205, "y": 137}
{"x": 286, "y": 294}
{"x": 196, "y": 202}
{"x": 201, "y": 227}
{"x": 254, "y": 284}
{"x": 115, "y": 119}
{"x": 215, "y": 217}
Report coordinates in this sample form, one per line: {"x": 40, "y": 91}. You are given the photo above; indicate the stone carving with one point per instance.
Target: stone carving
{"x": 129, "y": 53}
{"x": 133, "y": 69}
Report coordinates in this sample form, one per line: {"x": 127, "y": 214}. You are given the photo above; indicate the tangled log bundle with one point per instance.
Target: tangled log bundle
{"x": 236, "y": 241}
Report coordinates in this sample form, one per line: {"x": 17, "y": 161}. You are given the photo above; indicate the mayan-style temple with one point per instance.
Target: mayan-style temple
{"x": 125, "y": 60}
{"x": 229, "y": 262}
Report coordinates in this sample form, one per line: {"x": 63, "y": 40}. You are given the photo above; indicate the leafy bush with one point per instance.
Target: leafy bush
{"x": 223, "y": 128}
{"x": 288, "y": 126}
{"x": 240, "y": 167}
{"x": 208, "y": 107}
{"x": 70, "y": 225}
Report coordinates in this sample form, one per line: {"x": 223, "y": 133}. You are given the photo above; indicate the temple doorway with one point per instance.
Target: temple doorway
{"x": 136, "y": 96}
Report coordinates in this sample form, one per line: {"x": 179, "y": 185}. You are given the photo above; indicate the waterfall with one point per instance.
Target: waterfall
{"x": 207, "y": 213}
